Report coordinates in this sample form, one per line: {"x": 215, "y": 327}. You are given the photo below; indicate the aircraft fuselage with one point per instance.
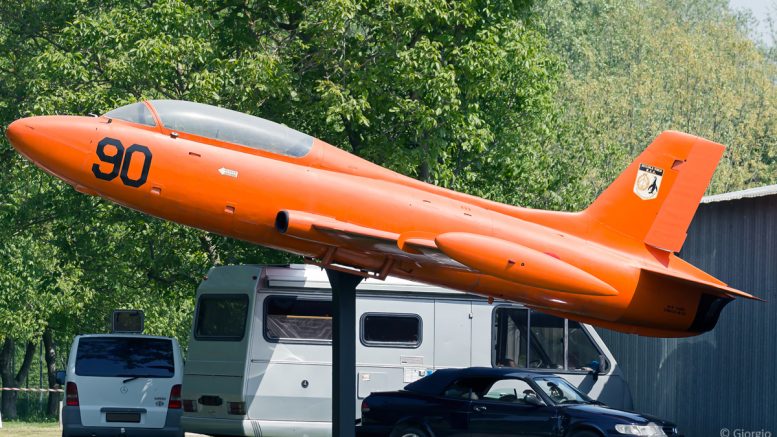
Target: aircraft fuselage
{"x": 341, "y": 211}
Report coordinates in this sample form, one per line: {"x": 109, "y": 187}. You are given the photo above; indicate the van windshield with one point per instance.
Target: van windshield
{"x": 125, "y": 357}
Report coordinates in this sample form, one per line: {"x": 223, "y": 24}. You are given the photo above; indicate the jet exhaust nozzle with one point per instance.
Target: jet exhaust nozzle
{"x": 282, "y": 221}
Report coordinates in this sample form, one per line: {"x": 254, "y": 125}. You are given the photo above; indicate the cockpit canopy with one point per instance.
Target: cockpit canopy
{"x": 219, "y": 124}
{"x": 135, "y": 113}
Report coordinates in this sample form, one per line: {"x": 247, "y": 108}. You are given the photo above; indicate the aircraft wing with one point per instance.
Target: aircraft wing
{"x": 420, "y": 248}
{"x": 509, "y": 261}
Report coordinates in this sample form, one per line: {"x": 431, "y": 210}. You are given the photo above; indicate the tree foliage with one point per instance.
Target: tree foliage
{"x": 636, "y": 68}
{"x": 460, "y": 94}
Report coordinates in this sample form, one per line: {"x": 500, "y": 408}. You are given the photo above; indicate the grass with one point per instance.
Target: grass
{"x": 25, "y": 429}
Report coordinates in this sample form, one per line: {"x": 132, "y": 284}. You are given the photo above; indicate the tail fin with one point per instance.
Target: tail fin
{"x": 655, "y": 198}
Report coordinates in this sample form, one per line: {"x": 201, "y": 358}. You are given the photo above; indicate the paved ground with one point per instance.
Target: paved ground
{"x": 17, "y": 429}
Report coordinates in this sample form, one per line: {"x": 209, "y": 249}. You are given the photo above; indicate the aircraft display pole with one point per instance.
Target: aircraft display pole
{"x": 343, "y": 352}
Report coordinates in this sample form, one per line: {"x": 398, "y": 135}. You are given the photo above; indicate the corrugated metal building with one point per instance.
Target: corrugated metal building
{"x": 726, "y": 379}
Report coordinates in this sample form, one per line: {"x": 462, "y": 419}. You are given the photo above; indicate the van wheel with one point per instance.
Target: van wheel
{"x": 408, "y": 431}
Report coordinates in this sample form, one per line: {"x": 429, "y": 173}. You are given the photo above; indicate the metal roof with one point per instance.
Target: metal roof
{"x": 767, "y": 190}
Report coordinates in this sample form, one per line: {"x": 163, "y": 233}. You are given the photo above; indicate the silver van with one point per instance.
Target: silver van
{"x": 123, "y": 384}
{"x": 259, "y": 357}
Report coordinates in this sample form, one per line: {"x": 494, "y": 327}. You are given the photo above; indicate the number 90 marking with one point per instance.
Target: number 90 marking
{"x": 121, "y": 160}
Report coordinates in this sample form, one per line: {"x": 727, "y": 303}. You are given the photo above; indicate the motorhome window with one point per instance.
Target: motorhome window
{"x": 232, "y": 127}
{"x": 547, "y": 342}
{"x": 391, "y": 330}
{"x": 511, "y": 326}
{"x": 295, "y": 319}
{"x": 221, "y": 317}
{"x": 544, "y": 342}
{"x": 117, "y": 356}
{"x": 135, "y": 113}
{"x": 582, "y": 353}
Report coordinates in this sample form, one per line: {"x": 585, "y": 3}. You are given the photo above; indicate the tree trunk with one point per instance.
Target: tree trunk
{"x": 206, "y": 241}
{"x": 50, "y": 354}
{"x": 29, "y": 354}
{"x": 424, "y": 172}
{"x": 6, "y": 373}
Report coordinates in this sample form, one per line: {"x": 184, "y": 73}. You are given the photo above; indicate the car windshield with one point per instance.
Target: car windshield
{"x": 561, "y": 392}
{"x": 125, "y": 357}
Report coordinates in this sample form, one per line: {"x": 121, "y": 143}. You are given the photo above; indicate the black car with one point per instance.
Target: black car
{"x": 479, "y": 402}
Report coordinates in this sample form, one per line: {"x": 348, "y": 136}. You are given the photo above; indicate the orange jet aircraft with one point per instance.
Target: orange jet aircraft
{"x": 612, "y": 265}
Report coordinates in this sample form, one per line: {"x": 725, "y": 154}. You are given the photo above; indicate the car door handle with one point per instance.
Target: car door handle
{"x": 479, "y": 408}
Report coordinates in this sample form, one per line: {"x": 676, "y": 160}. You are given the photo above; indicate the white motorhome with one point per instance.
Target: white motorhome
{"x": 259, "y": 357}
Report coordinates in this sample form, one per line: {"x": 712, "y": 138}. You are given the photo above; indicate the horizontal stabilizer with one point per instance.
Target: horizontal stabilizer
{"x": 719, "y": 289}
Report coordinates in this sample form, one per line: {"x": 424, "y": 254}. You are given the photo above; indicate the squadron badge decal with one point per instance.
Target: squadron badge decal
{"x": 648, "y": 181}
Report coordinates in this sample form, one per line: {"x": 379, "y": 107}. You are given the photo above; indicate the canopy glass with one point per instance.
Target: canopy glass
{"x": 219, "y": 124}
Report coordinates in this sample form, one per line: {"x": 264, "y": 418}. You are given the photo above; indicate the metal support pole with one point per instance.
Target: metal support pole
{"x": 343, "y": 352}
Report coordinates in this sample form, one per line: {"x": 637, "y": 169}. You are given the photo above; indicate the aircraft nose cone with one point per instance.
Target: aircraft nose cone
{"x": 15, "y": 133}
{"x": 57, "y": 144}
{"x": 29, "y": 136}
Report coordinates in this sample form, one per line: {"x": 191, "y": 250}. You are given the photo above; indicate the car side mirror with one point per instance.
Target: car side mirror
{"x": 60, "y": 376}
{"x": 533, "y": 400}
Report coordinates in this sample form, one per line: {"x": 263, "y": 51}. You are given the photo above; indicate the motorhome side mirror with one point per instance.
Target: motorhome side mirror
{"x": 597, "y": 366}
{"x": 60, "y": 376}
{"x": 532, "y": 399}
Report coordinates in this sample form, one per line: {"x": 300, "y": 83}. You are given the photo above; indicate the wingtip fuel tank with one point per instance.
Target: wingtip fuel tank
{"x": 521, "y": 264}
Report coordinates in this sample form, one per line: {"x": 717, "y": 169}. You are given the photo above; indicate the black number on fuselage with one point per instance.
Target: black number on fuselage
{"x": 146, "y": 165}
{"x": 120, "y": 164}
{"x": 114, "y": 159}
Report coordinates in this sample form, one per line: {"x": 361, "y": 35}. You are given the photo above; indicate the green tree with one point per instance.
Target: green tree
{"x": 636, "y": 68}
{"x": 455, "y": 93}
